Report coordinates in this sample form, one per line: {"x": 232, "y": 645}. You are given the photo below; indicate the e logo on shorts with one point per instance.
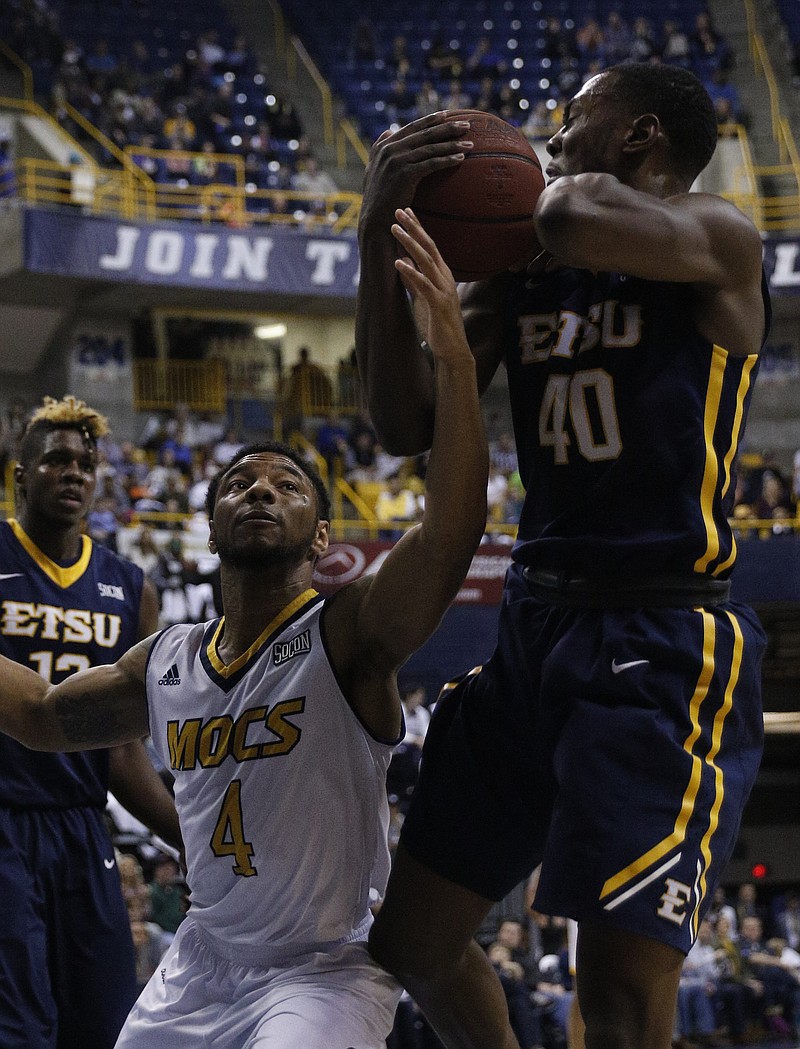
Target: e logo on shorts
{"x": 674, "y": 900}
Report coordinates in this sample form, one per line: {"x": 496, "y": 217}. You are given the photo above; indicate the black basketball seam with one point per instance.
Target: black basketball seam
{"x": 488, "y": 220}
{"x": 482, "y": 154}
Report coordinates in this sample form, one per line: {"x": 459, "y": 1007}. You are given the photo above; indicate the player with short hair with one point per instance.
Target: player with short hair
{"x": 278, "y": 722}
{"x": 616, "y": 731}
{"x": 67, "y": 969}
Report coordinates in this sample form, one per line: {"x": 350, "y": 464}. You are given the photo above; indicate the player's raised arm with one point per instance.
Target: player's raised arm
{"x": 395, "y": 370}
{"x": 395, "y": 611}
{"x": 100, "y": 707}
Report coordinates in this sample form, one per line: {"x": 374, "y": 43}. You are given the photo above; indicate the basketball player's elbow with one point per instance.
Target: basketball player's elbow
{"x": 401, "y": 434}
{"x": 558, "y": 222}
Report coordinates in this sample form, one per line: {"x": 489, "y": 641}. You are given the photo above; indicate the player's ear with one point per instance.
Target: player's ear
{"x": 19, "y": 474}
{"x": 643, "y": 133}
{"x": 212, "y": 537}
{"x": 321, "y": 539}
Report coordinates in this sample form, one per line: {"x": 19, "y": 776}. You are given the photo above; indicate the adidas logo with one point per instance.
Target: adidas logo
{"x": 171, "y": 677}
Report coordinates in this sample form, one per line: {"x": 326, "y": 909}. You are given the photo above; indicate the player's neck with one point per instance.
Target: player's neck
{"x": 251, "y": 601}
{"x": 61, "y": 544}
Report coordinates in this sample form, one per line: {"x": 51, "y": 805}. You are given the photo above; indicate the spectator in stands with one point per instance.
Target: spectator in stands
{"x": 310, "y": 178}
{"x": 364, "y": 47}
{"x": 427, "y": 99}
{"x": 144, "y": 552}
{"x": 175, "y": 500}
{"x": 225, "y": 449}
{"x": 12, "y": 423}
{"x": 395, "y": 503}
{"x": 503, "y": 453}
{"x": 721, "y": 908}
{"x": 175, "y": 441}
{"x": 8, "y": 177}
{"x": 443, "y": 59}
{"x": 590, "y": 42}
{"x": 332, "y": 441}
{"x": 401, "y": 777}
{"x": 485, "y": 60}
{"x": 710, "y": 51}
{"x": 156, "y": 480}
{"x": 540, "y": 123}
{"x": 643, "y": 46}
{"x": 676, "y": 50}
{"x": 735, "y": 997}
{"x": 132, "y": 883}
{"x": 148, "y": 947}
{"x": 787, "y": 919}
{"x": 400, "y": 101}
{"x": 617, "y": 38}
{"x": 196, "y": 495}
{"x": 697, "y": 989}
{"x": 773, "y": 502}
{"x": 720, "y": 89}
{"x": 171, "y": 576}
{"x": 108, "y": 513}
{"x": 131, "y": 469}
{"x": 179, "y": 131}
{"x": 522, "y": 1013}
{"x": 511, "y": 934}
{"x": 168, "y": 901}
{"x": 284, "y": 121}
{"x": 455, "y": 97}
{"x": 309, "y": 390}
{"x": 747, "y": 904}
{"x": 558, "y": 41}
{"x": 496, "y": 496}
{"x": 779, "y": 984}
{"x": 100, "y": 62}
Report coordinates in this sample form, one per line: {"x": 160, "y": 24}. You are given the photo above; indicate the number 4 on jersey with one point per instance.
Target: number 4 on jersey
{"x": 228, "y": 838}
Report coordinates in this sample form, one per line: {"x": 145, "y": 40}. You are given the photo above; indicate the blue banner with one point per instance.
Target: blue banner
{"x": 192, "y": 254}
{"x": 264, "y": 258}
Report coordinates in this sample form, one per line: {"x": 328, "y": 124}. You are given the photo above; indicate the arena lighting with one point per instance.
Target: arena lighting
{"x": 269, "y": 331}
{"x": 759, "y": 871}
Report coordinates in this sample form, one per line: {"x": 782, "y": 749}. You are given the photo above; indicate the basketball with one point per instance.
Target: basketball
{"x": 480, "y": 214}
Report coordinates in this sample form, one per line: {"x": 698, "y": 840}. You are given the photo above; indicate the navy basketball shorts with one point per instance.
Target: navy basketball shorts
{"x": 616, "y": 747}
{"x": 67, "y": 967}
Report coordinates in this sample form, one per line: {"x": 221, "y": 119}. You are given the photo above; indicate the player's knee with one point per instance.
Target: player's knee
{"x": 612, "y": 1032}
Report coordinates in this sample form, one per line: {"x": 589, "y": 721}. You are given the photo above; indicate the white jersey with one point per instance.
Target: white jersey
{"x": 280, "y": 789}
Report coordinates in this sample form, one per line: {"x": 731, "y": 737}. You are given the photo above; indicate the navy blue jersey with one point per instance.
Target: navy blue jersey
{"x": 57, "y": 620}
{"x": 627, "y": 424}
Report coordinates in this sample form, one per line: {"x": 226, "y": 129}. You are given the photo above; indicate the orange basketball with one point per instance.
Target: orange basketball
{"x": 481, "y": 213}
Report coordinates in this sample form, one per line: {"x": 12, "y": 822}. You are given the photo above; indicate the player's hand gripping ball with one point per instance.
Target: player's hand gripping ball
{"x": 480, "y": 213}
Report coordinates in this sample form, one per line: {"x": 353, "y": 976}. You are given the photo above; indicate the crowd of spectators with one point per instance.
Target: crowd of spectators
{"x": 740, "y": 982}
{"x": 160, "y": 482}
{"x": 201, "y": 99}
{"x": 489, "y": 72}
{"x": 767, "y": 494}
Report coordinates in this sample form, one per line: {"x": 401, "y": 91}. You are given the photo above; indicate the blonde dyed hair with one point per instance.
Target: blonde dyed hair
{"x": 70, "y": 413}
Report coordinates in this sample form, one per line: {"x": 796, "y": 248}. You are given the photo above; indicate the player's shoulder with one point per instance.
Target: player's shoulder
{"x": 109, "y": 561}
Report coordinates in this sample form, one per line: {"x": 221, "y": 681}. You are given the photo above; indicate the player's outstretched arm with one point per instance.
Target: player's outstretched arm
{"x": 395, "y": 370}
{"x": 100, "y": 707}
{"x": 395, "y": 611}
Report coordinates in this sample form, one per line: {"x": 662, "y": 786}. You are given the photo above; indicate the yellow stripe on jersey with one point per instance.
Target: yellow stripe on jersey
{"x": 711, "y": 471}
{"x": 716, "y": 739}
{"x": 678, "y": 834}
{"x": 63, "y": 577}
{"x": 741, "y": 394}
{"x": 226, "y": 670}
